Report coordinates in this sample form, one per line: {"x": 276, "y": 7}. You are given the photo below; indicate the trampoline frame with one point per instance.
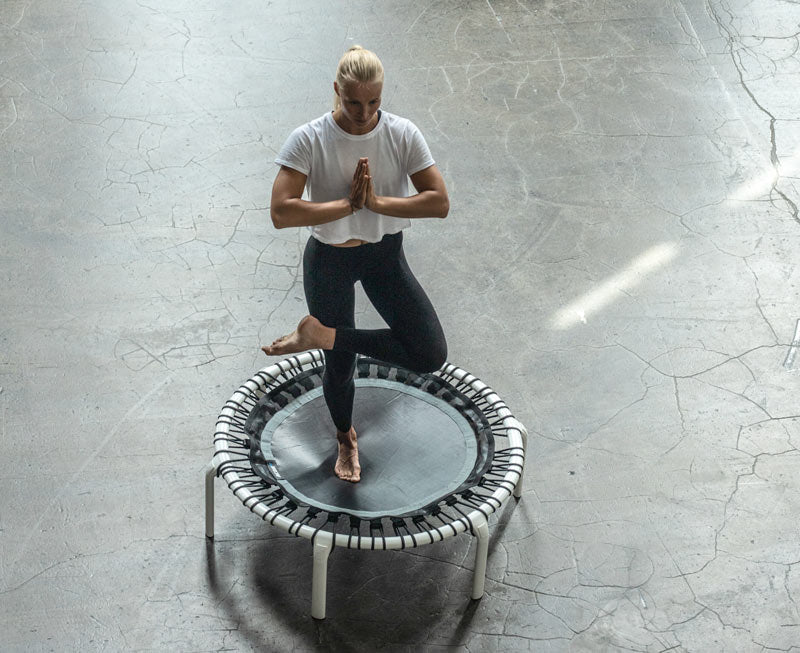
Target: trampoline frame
{"x": 230, "y": 462}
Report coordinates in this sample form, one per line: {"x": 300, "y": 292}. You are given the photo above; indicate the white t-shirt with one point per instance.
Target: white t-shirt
{"x": 328, "y": 156}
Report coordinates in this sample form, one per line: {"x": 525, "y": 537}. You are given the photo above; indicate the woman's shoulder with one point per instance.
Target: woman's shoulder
{"x": 398, "y": 124}
{"x": 315, "y": 125}
{"x": 314, "y": 131}
{"x": 394, "y": 119}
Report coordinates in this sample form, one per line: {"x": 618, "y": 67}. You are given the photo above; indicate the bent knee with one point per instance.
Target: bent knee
{"x": 430, "y": 359}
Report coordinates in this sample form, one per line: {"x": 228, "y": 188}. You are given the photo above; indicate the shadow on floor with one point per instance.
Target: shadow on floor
{"x": 375, "y": 598}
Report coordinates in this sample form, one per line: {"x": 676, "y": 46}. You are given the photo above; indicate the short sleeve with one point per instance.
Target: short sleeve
{"x": 296, "y": 151}
{"x": 419, "y": 155}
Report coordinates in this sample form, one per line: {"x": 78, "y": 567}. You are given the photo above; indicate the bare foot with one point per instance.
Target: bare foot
{"x": 347, "y": 467}
{"x": 309, "y": 334}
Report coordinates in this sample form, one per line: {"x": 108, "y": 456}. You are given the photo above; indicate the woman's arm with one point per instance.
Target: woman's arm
{"x": 431, "y": 200}
{"x": 287, "y": 209}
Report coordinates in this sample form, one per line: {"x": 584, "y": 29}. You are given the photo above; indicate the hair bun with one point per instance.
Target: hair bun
{"x": 353, "y": 48}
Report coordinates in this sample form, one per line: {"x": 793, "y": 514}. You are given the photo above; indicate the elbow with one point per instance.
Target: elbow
{"x": 444, "y": 209}
{"x": 277, "y": 217}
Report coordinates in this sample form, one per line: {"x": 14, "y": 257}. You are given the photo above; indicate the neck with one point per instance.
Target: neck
{"x": 351, "y": 127}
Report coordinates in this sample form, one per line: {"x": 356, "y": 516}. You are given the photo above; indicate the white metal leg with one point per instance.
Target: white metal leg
{"x": 481, "y": 528}
{"x": 211, "y": 473}
{"x": 524, "y": 433}
{"x": 319, "y": 577}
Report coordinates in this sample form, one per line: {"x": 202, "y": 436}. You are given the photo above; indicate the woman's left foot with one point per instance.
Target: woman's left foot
{"x": 309, "y": 334}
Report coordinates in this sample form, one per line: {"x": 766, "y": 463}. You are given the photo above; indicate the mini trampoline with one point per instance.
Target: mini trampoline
{"x": 439, "y": 453}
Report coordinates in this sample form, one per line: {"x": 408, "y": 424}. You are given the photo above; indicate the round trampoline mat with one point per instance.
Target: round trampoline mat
{"x": 420, "y": 441}
{"x": 413, "y": 449}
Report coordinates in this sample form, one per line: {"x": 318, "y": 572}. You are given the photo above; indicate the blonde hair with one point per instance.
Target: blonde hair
{"x": 357, "y": 65}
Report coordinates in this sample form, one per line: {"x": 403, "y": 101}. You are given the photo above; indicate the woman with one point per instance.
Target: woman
{"x": 355, "y": 163}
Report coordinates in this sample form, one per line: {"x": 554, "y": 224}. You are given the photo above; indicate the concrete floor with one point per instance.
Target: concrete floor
{"x": 620, "y": 264}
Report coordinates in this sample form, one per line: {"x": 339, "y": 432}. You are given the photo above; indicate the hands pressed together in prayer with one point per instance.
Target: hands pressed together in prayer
{"x": 362, "y": 192}
{"x": 430, "y": 201}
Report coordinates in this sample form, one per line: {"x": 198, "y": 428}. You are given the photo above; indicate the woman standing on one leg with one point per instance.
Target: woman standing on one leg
{"x": 355, "y": 163}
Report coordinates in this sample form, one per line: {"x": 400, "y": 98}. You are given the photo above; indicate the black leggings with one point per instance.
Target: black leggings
{"x": 414, "y": 339}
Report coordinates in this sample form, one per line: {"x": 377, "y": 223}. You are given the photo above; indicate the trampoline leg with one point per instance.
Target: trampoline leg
{"x": 211, "y": 472}
{"x": 524, "y": 434}
{"x": 319, "y": 577}
{"x": 481, "y": 528}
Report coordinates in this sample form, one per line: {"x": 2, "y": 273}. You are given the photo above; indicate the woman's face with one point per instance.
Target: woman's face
{"x": 360, "y": 104}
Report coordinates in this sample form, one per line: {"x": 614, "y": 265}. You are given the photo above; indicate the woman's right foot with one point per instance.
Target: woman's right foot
{"x": 347, "y": 467}
{"x": 309, "y": 334}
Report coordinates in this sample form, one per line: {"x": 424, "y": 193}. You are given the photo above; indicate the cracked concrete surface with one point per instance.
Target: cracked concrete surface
{"x": 620, "y": 264}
